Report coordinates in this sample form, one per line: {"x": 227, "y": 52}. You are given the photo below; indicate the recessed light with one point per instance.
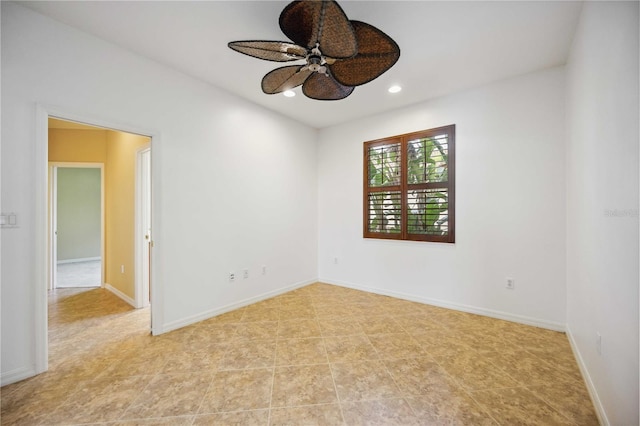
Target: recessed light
{"x": 395, "y": 89}
{"x": 289, "y": 93}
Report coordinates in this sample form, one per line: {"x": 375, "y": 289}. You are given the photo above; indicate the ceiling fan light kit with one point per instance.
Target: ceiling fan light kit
{"x": 338, "y": 54}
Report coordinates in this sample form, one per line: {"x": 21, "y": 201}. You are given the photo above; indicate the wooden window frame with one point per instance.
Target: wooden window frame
{"x": 404, "y": 187}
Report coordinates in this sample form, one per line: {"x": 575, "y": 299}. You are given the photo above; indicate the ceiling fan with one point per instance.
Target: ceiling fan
{"x": 339, "y": 54}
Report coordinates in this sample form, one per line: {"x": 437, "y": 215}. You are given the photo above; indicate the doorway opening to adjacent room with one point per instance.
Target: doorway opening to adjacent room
{"x": 76, "y": 214}
{"x": 108, "y": 230}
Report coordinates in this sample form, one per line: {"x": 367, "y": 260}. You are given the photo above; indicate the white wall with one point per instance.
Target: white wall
{"x": 510, "y": 190}
{"x": 602, "y": 204}
{"x": 233, "y": 183}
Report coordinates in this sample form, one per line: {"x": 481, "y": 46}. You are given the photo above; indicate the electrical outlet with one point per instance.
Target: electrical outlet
{"x": 511, "y": 283}
{"x": 598, "y": 343}
{"x": 122, "y": 269}
{"x": 245, "y": 274}
{"x": 232, "y": 276}
{"x": 264, "y": 269}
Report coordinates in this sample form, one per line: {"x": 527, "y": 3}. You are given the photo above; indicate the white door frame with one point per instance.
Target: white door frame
{"x": 142, "y": 228}
{"x": 53, "y": 202}
{"x": 41, "y": 189}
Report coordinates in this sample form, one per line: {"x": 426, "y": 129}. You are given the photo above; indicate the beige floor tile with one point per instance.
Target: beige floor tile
{"x": 47, "y": 388}
{"x": 238, "y": 390}
{"x": 303, "y": 385}
{"x": 199, "y": 360}
{"x": 249, "y": 354}
{"x": 31, "y": 412}
{"x": 290, "y": 301}
{"x": 449, "y": 406}
{"x": 101, "y": 400}
{"x": 536, "y": 340}
{"x": 293, "y": 300}
{"x": 298, "y": 328}
{"x": 357, "y": 297}
{"x": 518, "y": 406}
{"x": 333, "y": 310}
{"x": 172, "y": 394}
{"x": 261, "y": 314}
{"x": 341, "y": 326}
{"x": 475, "y": 373}
{"x": 350, "y": 348}
{"x": 144, "y": 363}
{"x": 416, "y": 323}
{"x": 419, "y": 376}
{"x": 237, "y": 418}
{"x": 527, "y": 369}
{"x": 397, "y": 345}
{"x": 380, "y": 412}
{"x": 563, "y": 360}
{"x": 165, "y": 421}
{"x": 313, "y": 415}
{"x": 213, "y": 333}
{"x": 484, "y": 341}
{"x": 300, "y": 351}
{"x": 363, "y": 381}
{"x": 382, "y": 324}
{"x": 570, "y": 399}
{"x": 256, "y": 330}
{"x": 400, "y": 307}
{"x": 295, "y": 312}
{"x": 440, "y": 343}
{"x": 364, "y": 309}
{"x": 85, "y": 366}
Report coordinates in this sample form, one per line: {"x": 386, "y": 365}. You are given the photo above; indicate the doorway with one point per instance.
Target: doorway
{"x": 124, "y": 163}
{"x": 76, "y": 224}
{"x": 43, "y": 268}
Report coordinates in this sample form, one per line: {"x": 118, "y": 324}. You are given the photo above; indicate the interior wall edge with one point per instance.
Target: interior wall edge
{"x": 17, "y": 375}
{"x": 120, "y": 294}
{"x": 506, "y": 316}
{"x": 593, "y": 393}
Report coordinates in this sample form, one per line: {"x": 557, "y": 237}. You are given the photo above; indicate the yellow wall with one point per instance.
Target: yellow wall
{"x": 117, "y": 150}
{"x": 120, "y": 182}
{"x": 79, "y": 146}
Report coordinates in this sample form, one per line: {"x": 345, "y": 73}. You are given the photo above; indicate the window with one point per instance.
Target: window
{"x": 409, "y": 186}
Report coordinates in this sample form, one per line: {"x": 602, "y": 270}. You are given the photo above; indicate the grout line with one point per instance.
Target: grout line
{"x": 335, "y": 387}
{"x": 273, "y": 374}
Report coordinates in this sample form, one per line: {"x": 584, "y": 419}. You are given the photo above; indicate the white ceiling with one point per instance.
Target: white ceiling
{"x": 445, "y": 46}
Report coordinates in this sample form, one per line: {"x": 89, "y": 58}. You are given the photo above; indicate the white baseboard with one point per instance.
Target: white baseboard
{"x": 16, "y": 375}
{"x": 120, "y": 294}
{"x": 597, "y": 403}
{"x": 224, "y": 309}
{"x": 550, "y": 325}
{"x": 78, "y": 260}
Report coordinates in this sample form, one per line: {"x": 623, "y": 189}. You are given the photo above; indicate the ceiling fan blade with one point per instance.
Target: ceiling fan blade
{"x": 377, "y": 52}
{"x": 284, "y": 78}
{"x": 325, "y": 88}
{"x": 278, "y": 51}
{"x": 323, "y": 22}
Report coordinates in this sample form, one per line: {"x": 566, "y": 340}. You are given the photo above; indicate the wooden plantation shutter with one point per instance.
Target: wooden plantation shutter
{"x": 409, "y": 186}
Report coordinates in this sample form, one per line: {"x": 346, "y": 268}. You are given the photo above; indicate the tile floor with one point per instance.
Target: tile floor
{"x": 320, "y": 355}
{"x": 79, "y": 274}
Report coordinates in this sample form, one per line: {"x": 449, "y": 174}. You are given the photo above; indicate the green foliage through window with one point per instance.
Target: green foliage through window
{"x": 409, "y": 186}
